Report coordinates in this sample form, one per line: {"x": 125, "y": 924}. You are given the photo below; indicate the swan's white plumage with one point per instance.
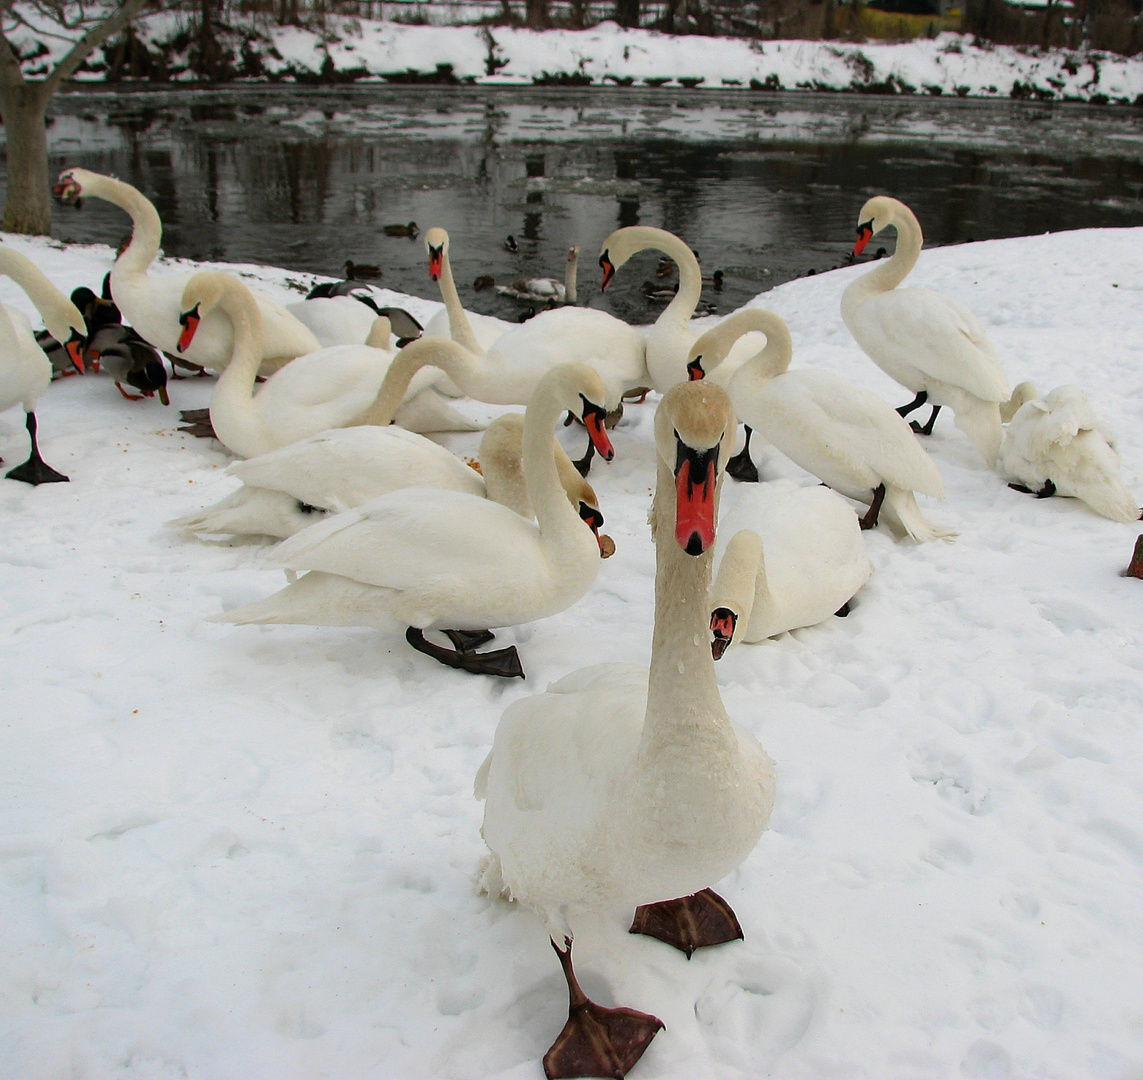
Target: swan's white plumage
{"x": 788, "y": 556}
{"x": 1059, "y": 438}
{"x": 924, "y": 339}
{"x": 623, "y": 785}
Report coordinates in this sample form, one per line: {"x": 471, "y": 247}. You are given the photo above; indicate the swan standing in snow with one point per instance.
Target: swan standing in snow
{"x": 447, "y": 560}
{"x": 545, "y": 289}
{"x": 929, "y": 343}
{"x": 842, "y": 433}
{"x": 625, "y": 787}
{"x": 152, "y": 304}
{"x": 795, "y": 556}
{"x": 1055, "y": 446}
{"x": 289, "y": 489}
{"x": 25, "y": 370}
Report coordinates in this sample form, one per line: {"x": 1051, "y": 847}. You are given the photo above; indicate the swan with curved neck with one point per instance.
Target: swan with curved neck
{"x": 671, "y": 336}
{"x": 477, "y": 333}
{"x": 25, "y": 370}
{"x": 445, "y": 560}
{"x": 289, "y": 489}
{"x": 626, "y": 787}
{"x": 842, "y": 433}
{"x": 151, "y": 304}
{"x": 928, "y": 342}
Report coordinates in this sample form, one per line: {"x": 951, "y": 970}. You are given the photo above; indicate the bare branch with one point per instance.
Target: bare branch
{"x": 90, "y": 41}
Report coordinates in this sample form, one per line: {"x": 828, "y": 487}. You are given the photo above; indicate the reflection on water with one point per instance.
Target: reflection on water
{"x": 765, "y": 187}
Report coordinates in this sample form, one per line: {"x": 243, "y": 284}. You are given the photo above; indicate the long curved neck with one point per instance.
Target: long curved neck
{"x": 739, "y": 570}
{"x": 234, "y": 391}
{"x": 889, "y": 273}
{"x": 458, "y": 324}
{"x": 774, "y": 358}
{"x": 57, "y": 311}
{"x": 682, "y": 307}
{"x": 683, "y": 702}
{"x": 451, "y": 356}
{"x": 146, "y": 228}
{"x": 554, "y": 514}
{"x": 571, "y": 277}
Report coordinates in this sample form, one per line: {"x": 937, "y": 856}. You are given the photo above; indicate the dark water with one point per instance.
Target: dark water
{"x": 765, "y": 187}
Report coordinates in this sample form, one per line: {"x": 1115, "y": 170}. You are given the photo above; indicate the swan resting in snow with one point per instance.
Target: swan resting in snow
{"x": 929, "y": 343}
{"x": 1055, "y": 446}
{"x": 625, "y": 787}
{"x": 446, "y": 560}
{"x": 795, "y": 556}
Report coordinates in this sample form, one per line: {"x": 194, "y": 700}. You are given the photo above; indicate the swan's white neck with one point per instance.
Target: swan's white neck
{"x": 888, "y": 273}
{"x": 560, "y": 524}
{"x": 571, "y": 275}
{"x": 458, "y": 323}
{"x": 146, "y": 228}
{"x": 57, "y": 311}
{"x": 451, "y": 356}
{"x": 775, "y": 357}
{"x": 232, "y": 403}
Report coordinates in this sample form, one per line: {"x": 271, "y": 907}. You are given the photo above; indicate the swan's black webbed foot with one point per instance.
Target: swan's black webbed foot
{"x": 874, "y": 511}
{"x": 596, "y": 1041}
{"x": 928, "y": 428}
{"x": 35, "y": 470}
{"x": 742, "y": 466}
{"x": 689, "y": 922}
{"x": 1135, "y": 567}
{"x": 467, "y": 640}
{"x": 843, "y": 610}
{"x": 1046, "y": 492}
{"x": 504, "y": 663}
{"x": 916, "y": 403}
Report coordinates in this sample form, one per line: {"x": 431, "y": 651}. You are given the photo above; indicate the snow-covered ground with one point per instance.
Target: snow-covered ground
{"x": 251, "y": 852}
{"x": 367, "y": 49}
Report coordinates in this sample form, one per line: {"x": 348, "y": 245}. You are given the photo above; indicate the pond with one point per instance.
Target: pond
{"x": 765, "y": 187}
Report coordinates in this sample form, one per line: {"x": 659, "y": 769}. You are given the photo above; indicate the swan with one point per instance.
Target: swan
{"x": 626, "y": 787}
{"x": 447, "y": 560}
{"x": 1056, "y": 446}
{"x": 842, "y": 433}
{"x": 670, "y": 337}
{"x": 333, "y": 387}
{"x": 795, "y": 556}
{"x": 25, "y": 370}
{"x": 151, "y": 304}
{"x": 290, "y": 488}
{"x": 929, "y": 343}
{"x": 546, "y": 289}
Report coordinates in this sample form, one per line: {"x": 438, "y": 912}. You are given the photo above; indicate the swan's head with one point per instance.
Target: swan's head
{"x": 879, "y": 213}
{"x": 712, "y": 347}
{"x": 203, "y": 293}
{"x": 436, "y": 244}
{"x": 723, "y": 623}
{"x": 573, "y": 253}
{"x": 577, "y": 388}
{"x": 69, "y": 188}
{"x": 69, "y": 329}
{"x": 1021, "y": 395}
{"x": 628, "y": 241}
{"x": 693, "y": 421}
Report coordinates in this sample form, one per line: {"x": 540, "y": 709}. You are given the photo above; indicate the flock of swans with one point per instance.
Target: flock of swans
{"x": 620, "y": 787}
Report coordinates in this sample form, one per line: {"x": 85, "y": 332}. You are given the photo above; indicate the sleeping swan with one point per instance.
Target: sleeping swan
{"x": 624, "y": 787}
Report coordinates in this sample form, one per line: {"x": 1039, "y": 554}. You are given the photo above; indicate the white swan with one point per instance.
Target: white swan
{"x": 931, "y": 344}
{"x": 670, "y": 337}
{"x": 623, "y": 786}
{"x": 842, "y": 433}
{"x": 794, "y": 557}
{"x": 152, "y": 304}
{"x": 334, "y": 387}
{"x": 25, "y": 370}
{"x": 1056, "y": 446}
{"x": 444, "y": 560}
{"x": 477, "y": 333}
{"x": 546, "y": 289}
{"x": 289, "y": 489}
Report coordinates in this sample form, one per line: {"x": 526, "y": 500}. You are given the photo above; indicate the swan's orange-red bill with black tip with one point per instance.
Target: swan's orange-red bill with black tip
{"x": 608, "y": 271}
{"x": 594, "y": 521}
{"x": 593, "y": 419}
{"x": 695, "y": 370}
{"x": 66, "y": 189}
{"x": 722, "y": 624}
{"x": 189, "y": 321}
{"x": 864, "y": 235}
{"x": 74, "y": 348}
{"x": 436, "y": 261}
{"x": 695, "y": 473}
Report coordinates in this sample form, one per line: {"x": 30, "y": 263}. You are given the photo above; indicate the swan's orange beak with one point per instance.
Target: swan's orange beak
{"x": 593, "y": 420}
{"x": 722, "y": 624}
{"x": 864, "y": 235}
{"x": 67, "y": 189}
{"x": 189, "y": 321}
{"x": 436, "y": 262}
{"x": 74, "y": 347}
{"x": 695, "y": 370}
{"x": 695, "y": 474}
{"x": 608, "y": 271}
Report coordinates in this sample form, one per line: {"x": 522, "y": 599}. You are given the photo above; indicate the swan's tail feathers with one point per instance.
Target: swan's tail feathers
{"x": 1111, "y": 498}
{"x": 491, "y": 881}
{"x": 981, "y": 424}
{"x": 901, "y": 513}
{"x": 315, "y": 599}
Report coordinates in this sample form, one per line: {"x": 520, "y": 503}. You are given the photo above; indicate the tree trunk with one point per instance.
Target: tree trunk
{"x": 627, "y": 13}
{"x": 28, "y": 209}
{"x": 537, "y": 14}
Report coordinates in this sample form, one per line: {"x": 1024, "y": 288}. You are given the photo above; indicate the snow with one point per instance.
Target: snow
{"x": 372, "y": 49}
{"x": 251, "y": 852}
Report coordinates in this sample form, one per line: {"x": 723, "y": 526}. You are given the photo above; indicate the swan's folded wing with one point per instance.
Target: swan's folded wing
{"x": 1069, "y": 413}
{"x": 340, "y": 376}
{"x": 941, "y": 337}
{"x": 407, "y": 537}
